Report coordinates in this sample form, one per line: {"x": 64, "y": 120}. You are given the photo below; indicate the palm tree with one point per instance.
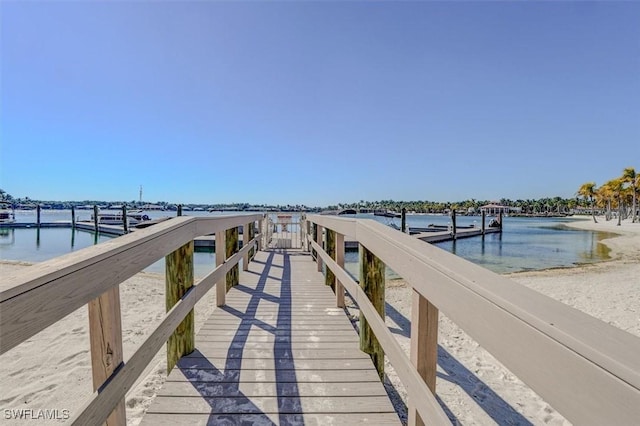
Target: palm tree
{"x": 630, "y": 176}
{"x": 587, "y": 190}
{"x": 617, "y": 187}
{"x": 605, "y": 195}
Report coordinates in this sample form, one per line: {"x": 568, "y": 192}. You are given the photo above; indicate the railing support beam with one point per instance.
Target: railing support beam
{"x": 330, "y": 248}
{"x": 424, "y": 347}
{"x": 246, "y": 237}
{"x": 340, "y": 261}
{"x": 372, "y": 282}
{"x": 221, "y": 251}
{"x": 179, "y": 279}
{"x": 231, "y": 248}
{"x": 105, "y": 334}
{"x": 320, "y": 243}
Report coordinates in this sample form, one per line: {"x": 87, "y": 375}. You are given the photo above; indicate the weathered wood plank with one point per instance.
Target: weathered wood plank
{"x": 294, "y": 332}
{"x": 214, "y": 344}
{"x": 275, "y": 405}
{"x": 340, "y": 261}
{"x": 261, "y": 389}
{"x": 221, "y": 256}
{"x": 105, "y": 335}
{"x": 231, "y": 247}
{"x": 424, "y": 347}
{"x": 309, "y": 419}
{"x": 330, "y": 247}
{"x": 247, "y": 230}
{"x": 270, "y": 338}
{"x": 179, "y": 279}
{"x": 286, "y": 376}
{"x": 372, "y": 281}
{"x": 271, "y": 363}
{"x": 213, "y": 351}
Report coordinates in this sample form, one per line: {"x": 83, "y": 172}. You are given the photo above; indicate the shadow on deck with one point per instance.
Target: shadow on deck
{"x": 279, "y": 352}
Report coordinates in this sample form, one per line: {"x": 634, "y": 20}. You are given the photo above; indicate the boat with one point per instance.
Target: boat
{"x": 386, "y": 213}
{"x": 6, "y": 216}
{"x": 494, "y": 223}
{"x": 134, "y": 217}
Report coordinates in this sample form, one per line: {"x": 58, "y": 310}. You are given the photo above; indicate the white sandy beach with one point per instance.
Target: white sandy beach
{"x": 52, "y": 369}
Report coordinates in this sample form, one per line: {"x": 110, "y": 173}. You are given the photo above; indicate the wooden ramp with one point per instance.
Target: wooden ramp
{"x": 278, "y": 353}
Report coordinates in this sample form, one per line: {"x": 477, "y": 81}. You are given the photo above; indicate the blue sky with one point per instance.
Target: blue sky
{"x": 316, "y": 102}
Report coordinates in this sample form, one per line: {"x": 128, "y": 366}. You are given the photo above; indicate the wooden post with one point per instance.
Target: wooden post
{"x": 125, "y": 225}
{"x": 105, "y": 336}
{"x": 252, "y": 234}
{"x": 403, "y": 220}
{"x": 302, "y": 232}
{"x": 246, "y": 237}
{"x": 231, "y": 248}
{"x": 500, "y": 219}
{"x": 424, "y": 347}
{"x": 453, "y": 222}
{"x": 319, "y": 239}
{"x": 314, "y": 236}
{"x": 73, "y": 217}
{"x": 340, "y": 261}
{"x": 220, "y": 250}
{"x": 329, "y": 277}
{"x": 179, "y": 279}
{"x": 38, "y": 208}
{"x": 179, "y": 209}
{"x": 261, "y": 231}
{"x": 372, "y": 281}
{"x": 484, "y": 215}
{"x": 95, "y": 218}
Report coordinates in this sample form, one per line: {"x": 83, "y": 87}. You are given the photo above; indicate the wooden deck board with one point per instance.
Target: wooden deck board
{"x": 309, "y": 419}
{"x": 279, "y": 352}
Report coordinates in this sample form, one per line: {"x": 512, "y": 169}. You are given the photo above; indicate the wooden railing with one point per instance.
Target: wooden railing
{"x": 586, "y": 369}
{"x": 42, "y": 294}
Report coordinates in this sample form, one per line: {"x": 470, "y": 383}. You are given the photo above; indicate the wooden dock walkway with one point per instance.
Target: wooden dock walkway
{"x": 440, "y": 236}
{"x": 278, "y": 353}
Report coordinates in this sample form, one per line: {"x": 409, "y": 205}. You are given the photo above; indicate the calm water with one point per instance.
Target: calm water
{"x": 33, "y": 245}
{"x": 526, "y": 243}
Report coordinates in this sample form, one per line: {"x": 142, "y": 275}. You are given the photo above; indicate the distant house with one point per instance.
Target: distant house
{"x": 495, "y": 209}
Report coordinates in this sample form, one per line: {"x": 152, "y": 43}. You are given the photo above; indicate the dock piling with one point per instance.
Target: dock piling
{"x": 453, "y": 222}
{"x": 73, "y": 217}
{"x": 372, "y": 281}
{"x": 403, "y": 220}
{"x": 95, "y": 218}
{"x": 38, "y": 208}
{"x": 125, "y": 225}
{"x": 484, "y": 216}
